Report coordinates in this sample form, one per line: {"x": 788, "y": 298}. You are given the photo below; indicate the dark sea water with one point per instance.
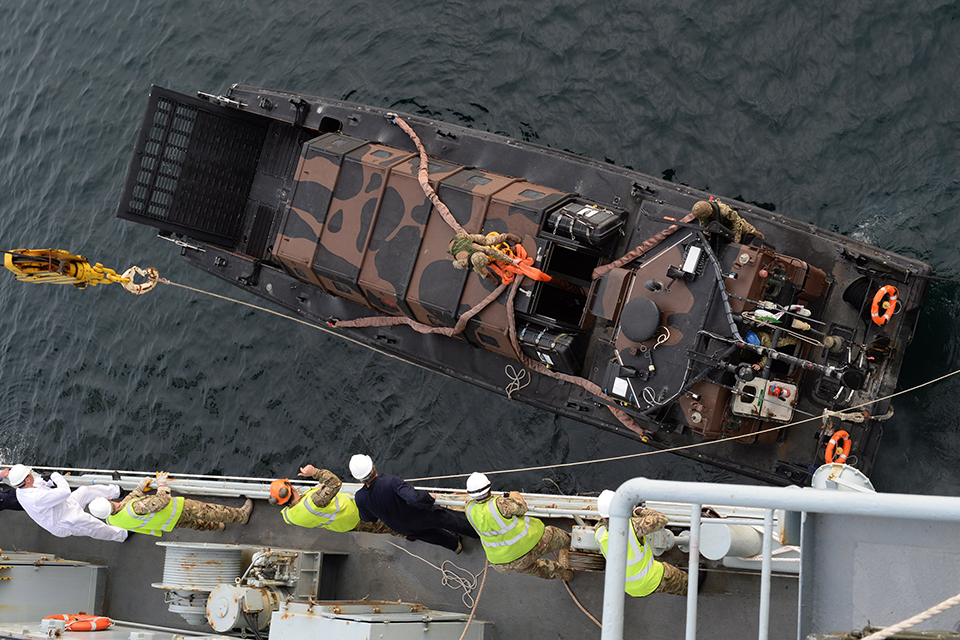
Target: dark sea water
{"x": 845, "y": 115}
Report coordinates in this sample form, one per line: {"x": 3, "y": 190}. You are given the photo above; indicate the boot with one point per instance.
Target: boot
{"x": 567, "y": 575}
{"x": 247, "y": 510}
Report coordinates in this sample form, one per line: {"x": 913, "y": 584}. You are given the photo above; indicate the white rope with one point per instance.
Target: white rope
{"x": 518, "y": 380}
{"x": 694, "y": 445}
{"x": 450, "y": 578}
{"x": 915, "y": 620}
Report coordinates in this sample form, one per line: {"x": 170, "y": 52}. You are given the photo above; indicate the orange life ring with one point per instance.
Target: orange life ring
{"x": 81, "y": 621}
{"x": 834, "y": 441}
{"x": 875, "y": 315}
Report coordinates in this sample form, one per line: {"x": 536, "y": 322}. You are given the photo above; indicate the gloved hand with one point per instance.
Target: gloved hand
{"x": 144, "y": 484}
{"x": 161, "y": 479}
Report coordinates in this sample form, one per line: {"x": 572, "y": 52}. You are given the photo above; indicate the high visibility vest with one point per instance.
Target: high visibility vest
{"x": 503, "y": 539}
{"x": 153, "y": 523}
{"x": 643, "y": 572}
{"x": 340, "y": 514}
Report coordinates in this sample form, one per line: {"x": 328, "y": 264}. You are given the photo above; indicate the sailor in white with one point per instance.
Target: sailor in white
{"x": 52, "y": 506}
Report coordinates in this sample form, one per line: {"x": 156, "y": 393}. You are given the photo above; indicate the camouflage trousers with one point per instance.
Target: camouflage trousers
{"x": 674, "y": 581}
{"x": 376, "y": 527}
{"x": 203, "y": 516}
{"x": 532, "y": 564}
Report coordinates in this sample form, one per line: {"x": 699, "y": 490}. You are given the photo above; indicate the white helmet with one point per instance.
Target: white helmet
{"x": 478, "y": 487}
{"x": 18, "y": 473}
{"x": 603, "y": 503}
{"x": 361, "y": 466}
{"x": 100, "y": 508}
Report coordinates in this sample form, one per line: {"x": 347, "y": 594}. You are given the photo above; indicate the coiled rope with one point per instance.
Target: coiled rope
{"x": 450, "y": 577}
{"x": 456, "y": 581}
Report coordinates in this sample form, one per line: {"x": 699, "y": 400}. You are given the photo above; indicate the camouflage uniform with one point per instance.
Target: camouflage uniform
{"x": 200, "y": 516}
{"x": 766, "y": 340}
{"x": 704, "y": 212}
{"x": 644, "y": 522}
{"x": 475, "y": 250}
{"x": 531, "y": 563}
{"x": 330, "y": 487}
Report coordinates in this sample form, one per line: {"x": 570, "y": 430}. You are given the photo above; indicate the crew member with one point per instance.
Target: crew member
{"x": 154, "y": 515}
{"x": 321, "y": 506}
{"x": 51, "y": 505}
{"x": 706, "y": 212}
{"x": 408, "y": 511}
{"x": 476, "y": 251}
{"x": 644, "y": 574}
{"x": 514, "y": 541}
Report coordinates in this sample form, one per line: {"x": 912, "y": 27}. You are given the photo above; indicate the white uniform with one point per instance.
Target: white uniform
{"x": 53, "y": 507}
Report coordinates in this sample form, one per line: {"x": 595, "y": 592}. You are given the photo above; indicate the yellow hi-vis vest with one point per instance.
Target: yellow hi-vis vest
{"x": 340, "y": 514}
{"x": 643, "y": 572}
{"x": 153, "y": 523}
{"x": 503, "y": 539}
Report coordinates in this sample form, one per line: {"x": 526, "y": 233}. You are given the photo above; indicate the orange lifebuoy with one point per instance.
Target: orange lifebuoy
{"x": 81, "y": 621}
{"x": 831, "y": 446}
{"x": 875, "y": 315}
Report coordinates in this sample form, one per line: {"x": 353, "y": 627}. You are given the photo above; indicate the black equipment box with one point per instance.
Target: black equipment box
{"x": 557, "y": 350}
{"x": 584, "y": 223}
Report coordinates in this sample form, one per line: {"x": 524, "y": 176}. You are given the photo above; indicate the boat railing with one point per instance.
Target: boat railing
{"x": 792, "y": 499}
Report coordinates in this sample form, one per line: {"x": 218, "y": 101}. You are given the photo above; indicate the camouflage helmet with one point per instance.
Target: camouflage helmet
{"x": 703, "y": 210}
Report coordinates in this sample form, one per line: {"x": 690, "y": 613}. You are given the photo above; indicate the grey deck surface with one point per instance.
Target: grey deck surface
{"x": 882, "y": 571}
{"x": 519, "y": 606}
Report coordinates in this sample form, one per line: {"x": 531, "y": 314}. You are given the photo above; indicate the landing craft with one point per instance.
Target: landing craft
{"x": 763, "y": 352}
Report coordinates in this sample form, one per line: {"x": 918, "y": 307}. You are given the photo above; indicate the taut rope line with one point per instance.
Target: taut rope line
{"x": 694, "y": 445}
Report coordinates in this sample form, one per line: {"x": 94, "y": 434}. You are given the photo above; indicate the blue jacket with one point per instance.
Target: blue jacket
{"x": 8, "y": 500}
{"x": 404, "y": 509}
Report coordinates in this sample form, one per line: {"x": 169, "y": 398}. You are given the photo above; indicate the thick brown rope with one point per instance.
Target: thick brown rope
{"x": 424, "y": 177}
{"x": 592, "y": 387}
{"x": 390, "y": 321}
{"x": 647, "y": 244}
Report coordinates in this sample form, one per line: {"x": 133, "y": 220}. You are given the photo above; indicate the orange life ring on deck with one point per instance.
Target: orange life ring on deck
{"x": 875, "y": 315}
{"x": 831, "y": 446}
{"x": 81, "y": 621}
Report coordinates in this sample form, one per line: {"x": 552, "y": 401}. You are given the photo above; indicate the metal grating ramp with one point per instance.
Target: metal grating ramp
{"x": 192, "y": 168}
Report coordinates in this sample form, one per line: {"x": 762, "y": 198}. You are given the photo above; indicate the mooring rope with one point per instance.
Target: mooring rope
{"x": 452, "y": 579}
{"x": 561, "y": 465}
{"x": 915, "y": 620}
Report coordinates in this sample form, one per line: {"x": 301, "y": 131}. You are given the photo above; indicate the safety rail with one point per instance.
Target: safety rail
{"x": 806, "y": 500}
{"x": 539, "y": 505}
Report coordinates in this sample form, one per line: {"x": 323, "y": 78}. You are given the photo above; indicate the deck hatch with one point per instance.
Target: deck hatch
{"x": 192, "y": 168}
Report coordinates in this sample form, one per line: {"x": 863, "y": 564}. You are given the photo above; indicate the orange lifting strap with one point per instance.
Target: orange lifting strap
{"x": 508, "y": 272}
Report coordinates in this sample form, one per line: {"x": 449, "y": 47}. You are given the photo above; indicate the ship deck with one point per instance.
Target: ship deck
{"x": 374, "y": 568}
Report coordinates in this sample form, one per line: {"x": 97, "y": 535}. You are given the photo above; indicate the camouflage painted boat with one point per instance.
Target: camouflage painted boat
{"x": 647, "y": 322}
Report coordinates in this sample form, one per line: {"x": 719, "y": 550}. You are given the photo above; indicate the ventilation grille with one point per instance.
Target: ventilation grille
{"x": 193, "y": 167}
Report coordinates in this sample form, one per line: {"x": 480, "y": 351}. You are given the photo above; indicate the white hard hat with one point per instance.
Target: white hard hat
{"x": 603, "y": 503}
{"x": 361, "y": 466}
{"x": 100, "y": 508}
{"x": 478, "y": 486}
{"x": 18, "y": 473}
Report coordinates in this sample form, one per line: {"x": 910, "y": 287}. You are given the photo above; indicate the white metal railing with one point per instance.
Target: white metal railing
{"x": 809, "y": 500}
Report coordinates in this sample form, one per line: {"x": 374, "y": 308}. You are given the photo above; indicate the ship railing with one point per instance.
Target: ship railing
{"x": 538, "y": 504}
{"x": 769, "y": 499}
